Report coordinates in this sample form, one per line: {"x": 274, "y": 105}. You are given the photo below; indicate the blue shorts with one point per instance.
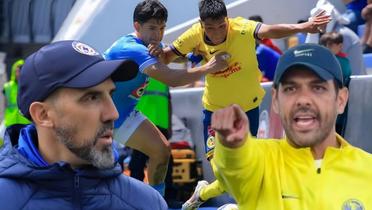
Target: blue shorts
{"x": 209, "y": 134}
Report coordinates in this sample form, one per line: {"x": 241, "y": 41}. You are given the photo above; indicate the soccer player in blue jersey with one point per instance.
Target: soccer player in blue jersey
{"x": 132, "y": 128}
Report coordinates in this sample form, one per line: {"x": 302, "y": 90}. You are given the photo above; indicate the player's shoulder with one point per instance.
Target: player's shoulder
{"x": 127, "y": 46}
{"x": 242, "y": 25}
{"x": 129, "y": 41}
{"x": 195, "y": 28}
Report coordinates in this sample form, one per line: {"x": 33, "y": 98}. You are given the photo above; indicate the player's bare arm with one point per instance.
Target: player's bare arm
{"x": 165, "y": 55}
{"x": 179, "y": 77}
{"x": 313, "y": 25}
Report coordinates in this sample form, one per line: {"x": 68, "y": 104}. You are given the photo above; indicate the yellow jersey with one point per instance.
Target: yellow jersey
{"x": 271, "y": 174}
{"x": 240, "y": 82}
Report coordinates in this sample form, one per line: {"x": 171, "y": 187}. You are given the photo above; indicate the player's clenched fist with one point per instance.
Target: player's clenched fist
{"x": 231, "y": 125}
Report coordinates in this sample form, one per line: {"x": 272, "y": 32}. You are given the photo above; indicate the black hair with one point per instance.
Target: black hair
{"x": 150, "y": 9}
{"x": 214, "y": 9}
{"x": 256, "y": 18}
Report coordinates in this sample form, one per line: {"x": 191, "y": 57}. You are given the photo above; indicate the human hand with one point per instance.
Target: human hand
{"x": 231, "y": 125}
{"x": 155, "y": 50}
{"x": 317, "y": 23}
{"x": 218, "y": 62}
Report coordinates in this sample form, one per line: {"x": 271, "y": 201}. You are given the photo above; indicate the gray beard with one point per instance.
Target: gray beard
{"x": 101, "y": 159}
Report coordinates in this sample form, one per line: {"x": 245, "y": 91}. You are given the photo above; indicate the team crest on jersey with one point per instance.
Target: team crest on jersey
{"x": 84, "y": 49}
{"x": 352, "y": 204}
{"x": 210, "y": 142}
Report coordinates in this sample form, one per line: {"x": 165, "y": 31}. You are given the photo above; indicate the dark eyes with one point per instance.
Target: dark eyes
{"x": 154, "y": 28}
{"x": 315, "y": 88}
{"x": 92, "y": 97}
{"x": 319, "y": 88}
{"x": 289, "y": 89}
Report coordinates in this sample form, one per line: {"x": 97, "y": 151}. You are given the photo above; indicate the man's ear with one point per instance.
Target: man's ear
{"x": 201, "y": 23}
{"x": 137, "y": 26}
{"x": 40, "y": 114}
{"x": 274, "y": 100}
{"x": 342, "y": 99}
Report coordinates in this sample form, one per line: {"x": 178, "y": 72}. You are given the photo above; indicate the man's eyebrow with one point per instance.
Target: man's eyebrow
{"x": 318, "y": 81}
{"x": 291, "y": 82}
{"x": 287, "y": 82}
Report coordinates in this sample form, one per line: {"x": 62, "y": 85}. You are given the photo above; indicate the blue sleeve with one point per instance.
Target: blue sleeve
{"x": 133, "y": 51}
{"x": 195, "y": 59}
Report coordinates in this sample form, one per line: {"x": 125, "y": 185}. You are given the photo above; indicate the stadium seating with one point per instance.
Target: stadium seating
{"x": 358, "y": 128}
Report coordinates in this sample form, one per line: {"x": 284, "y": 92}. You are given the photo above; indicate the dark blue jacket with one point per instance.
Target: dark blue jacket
{"x": 25, "y": 185}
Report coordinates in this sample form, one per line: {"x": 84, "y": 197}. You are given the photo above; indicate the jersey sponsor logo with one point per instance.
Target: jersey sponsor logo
{"x": 230, "y": 70}
{"x": 307, "y": 52}
{"x": 353, "y": 204}
{"x": 84, "y": 49}
{"x": 138, "y": 92}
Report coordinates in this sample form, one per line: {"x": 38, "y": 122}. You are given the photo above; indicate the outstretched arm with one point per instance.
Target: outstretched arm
{"x": 314, "y": 25}
{"x": 165, "y": 55}
{"x": 237, "y": 158}
{"x": 179, "y": 77}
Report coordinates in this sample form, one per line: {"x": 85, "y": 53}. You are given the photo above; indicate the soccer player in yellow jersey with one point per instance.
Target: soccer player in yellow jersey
{"x": 240, "y": 82}
{"x": 313, "y": 167}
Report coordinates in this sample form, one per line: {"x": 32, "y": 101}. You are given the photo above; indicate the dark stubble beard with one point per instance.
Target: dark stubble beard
{"x": 101, "y": 159}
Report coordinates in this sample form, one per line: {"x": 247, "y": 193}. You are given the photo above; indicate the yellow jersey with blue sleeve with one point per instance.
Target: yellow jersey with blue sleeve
{"x": 240, "y": 82}
{"x": 271, "y": 174}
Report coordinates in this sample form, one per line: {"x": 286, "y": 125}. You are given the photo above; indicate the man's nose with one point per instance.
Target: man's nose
{"x": 109, "y": 111}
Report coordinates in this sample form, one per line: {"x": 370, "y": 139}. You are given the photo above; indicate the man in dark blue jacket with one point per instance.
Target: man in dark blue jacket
{"x": 65, "y": 159}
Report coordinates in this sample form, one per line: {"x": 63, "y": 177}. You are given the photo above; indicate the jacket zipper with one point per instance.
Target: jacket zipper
{"x": 318, "y": 170}
{"x": 77, "y": 192}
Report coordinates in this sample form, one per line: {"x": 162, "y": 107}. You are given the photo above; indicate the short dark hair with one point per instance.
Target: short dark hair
{"x": 331, "y": 38}
{"x": 256, "y": 18}
{"x": 150, "y": 9}
{"x": 213, "y": 9}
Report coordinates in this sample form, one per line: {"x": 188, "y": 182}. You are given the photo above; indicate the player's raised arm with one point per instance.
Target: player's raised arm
{"x": 314, "y": 25}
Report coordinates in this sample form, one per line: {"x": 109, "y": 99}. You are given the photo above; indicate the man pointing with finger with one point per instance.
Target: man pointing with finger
{"x": 313, "y": 167}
